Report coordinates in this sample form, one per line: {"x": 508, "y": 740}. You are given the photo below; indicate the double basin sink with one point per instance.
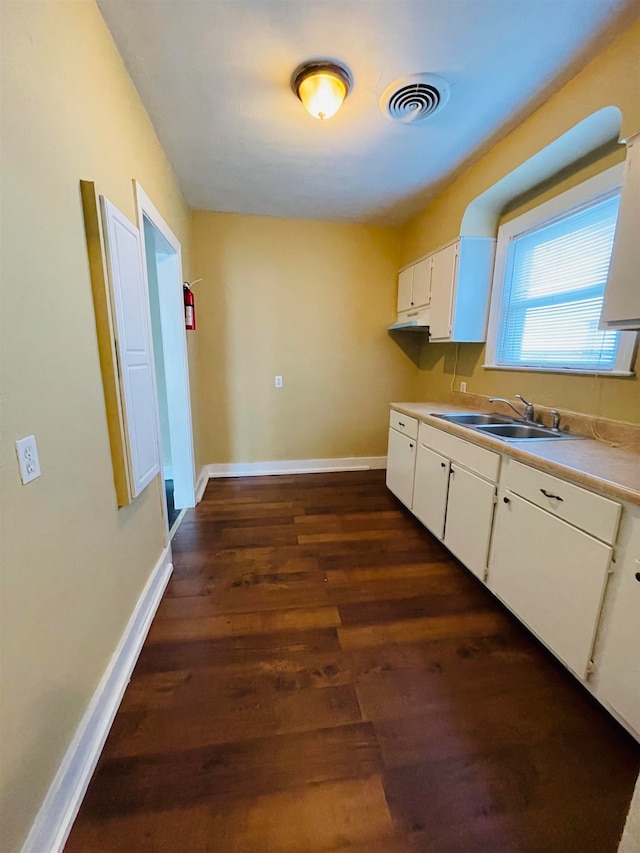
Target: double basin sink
{"x": 504, "y": 427}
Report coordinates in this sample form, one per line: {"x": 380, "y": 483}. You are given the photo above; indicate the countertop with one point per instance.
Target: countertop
{"x": 598, "y": 465}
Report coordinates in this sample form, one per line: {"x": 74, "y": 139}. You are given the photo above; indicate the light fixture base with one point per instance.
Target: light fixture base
{"x": 321, "y": 85}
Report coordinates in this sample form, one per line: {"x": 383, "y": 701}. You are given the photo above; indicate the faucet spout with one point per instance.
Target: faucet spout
{"x": 508, "y": 403}
{"x": 529, "y": 411}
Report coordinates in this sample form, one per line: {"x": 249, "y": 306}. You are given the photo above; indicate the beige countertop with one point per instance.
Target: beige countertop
{"x": 595, "y": 464}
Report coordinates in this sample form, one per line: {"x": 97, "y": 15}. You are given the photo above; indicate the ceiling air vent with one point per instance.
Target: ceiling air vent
{"x": 414, "y": 98}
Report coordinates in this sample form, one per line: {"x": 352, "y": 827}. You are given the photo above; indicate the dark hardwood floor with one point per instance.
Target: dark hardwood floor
{"x": 322, "y": 676}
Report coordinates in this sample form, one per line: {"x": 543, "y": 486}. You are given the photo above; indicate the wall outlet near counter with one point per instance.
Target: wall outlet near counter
{"x": 278, "y": 380}
{"x": 28, "y": 459}
{"x": 463, "y": 387}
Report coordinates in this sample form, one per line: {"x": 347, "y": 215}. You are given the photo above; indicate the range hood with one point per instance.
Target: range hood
{"x": 409, "y": 326}
{"x": 416, "y": 320}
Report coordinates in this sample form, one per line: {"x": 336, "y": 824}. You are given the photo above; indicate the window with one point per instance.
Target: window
{"x": 551, "y": 269}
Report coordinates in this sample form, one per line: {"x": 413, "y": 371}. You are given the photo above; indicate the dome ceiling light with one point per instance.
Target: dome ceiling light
{"x": 322, "y": 85}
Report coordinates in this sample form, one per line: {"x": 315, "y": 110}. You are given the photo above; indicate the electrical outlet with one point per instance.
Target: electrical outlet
{"x": 28, "y": 459}
{"x": 463, "y": 387}
{"x": 278, "y": 381}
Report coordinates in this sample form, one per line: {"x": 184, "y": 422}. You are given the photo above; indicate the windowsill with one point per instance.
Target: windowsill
{"x": 570, "y": 370}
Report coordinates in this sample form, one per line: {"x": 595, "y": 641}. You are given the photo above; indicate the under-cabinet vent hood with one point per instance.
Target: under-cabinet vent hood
{"x": 409, "y": 326}
{"x": 412, "y": 319}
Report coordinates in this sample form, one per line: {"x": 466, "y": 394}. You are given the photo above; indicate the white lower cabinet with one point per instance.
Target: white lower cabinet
{"x": 430, "y": 489}
{"x": 469, "y": 515}
{"x": 551, "y": 575}
{"x": 454, "y": 502}
{"x": 401, "y": 460}
{"x": 616, "y": 681}
{"x": 546, "y": 551}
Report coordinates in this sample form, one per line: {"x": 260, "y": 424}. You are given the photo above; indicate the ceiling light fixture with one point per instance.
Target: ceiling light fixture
{"x": 322, "y": 85}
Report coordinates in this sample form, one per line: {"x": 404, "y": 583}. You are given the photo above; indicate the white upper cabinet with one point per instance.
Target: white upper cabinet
{"x": 621, "y": 304}
{"x": 443, "y": 282}
{"x": 130, "y": 301}
{"x": 414, "y": 286}
{"x": 449, "y": 290}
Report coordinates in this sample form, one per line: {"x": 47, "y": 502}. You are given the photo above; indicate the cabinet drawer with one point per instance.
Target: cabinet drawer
{"x": 586, "y": 510}
{"x": 478, "y": 459}
{"x": 404, "y": 424}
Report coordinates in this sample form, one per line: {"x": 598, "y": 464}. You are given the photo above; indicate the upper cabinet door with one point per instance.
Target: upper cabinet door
{"x": 421, "y": 283}
{"x": 621, "y": 304}
{"x": 405, "y": 290}
{"x": 130, "y": 299}
{"x": 443, "y": 278}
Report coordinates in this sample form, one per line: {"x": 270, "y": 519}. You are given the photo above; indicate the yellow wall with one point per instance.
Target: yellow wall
{"x": 612, "y": 78}
{"x": 73, "y": 566}
{"x": 309, "y": 301}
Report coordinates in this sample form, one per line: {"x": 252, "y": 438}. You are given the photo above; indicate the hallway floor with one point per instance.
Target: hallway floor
{"x": 322, "y": 676}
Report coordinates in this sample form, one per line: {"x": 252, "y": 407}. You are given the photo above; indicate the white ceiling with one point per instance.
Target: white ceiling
{"x": 214, "y": 76}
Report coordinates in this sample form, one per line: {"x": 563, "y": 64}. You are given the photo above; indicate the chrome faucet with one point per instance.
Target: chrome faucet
{"x": 529, "y": 412}
{"x": 555, "y": 422}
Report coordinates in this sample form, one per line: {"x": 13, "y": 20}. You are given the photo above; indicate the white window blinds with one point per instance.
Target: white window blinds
{"x": 553, "y": 289}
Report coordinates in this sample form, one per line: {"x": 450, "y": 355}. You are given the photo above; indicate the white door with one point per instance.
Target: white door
{"x": 401, "y": 458}
{"x": 133, "y": 345}
{"x": 443, "y": 276}
{"x": 469, "y": 518}
{"x": 405, "y": 288}
{"x": 430, "y": 489}
{"x": 551, "y": 575}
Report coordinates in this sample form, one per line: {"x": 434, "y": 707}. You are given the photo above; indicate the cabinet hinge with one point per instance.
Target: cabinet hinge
{"x": 612, "y": 563}
{"x": 591, "y": 668}
{"x": 485, "y": 575}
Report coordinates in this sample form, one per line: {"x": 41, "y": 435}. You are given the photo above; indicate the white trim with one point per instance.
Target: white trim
{"x": 182, "y": 452}
{"x": 585, "y": 193}
{"x": 295, "y": 466}
{"x": 167, "y": 472}
{"x": 201, "y": 485}
{"x": 569, "y": 370}
{"x": 53, "y": 822}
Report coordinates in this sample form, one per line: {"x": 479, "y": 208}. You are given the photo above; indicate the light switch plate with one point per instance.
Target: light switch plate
{"x": 28, "y": 458}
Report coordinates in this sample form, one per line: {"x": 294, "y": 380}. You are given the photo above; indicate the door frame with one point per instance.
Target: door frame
{"x": 178, "y": 395}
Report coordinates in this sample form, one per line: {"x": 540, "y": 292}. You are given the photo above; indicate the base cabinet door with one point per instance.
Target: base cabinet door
{"x": 430, "y": 489}
{"x": 469, "y": 516}
{"x": 401, "y": 460}
{"x": 617, "y": 658}
{"x": 551, "y": 575}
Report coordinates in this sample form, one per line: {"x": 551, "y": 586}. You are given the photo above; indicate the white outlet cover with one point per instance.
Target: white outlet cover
{"x": 28, "y": 458}
{"x": 278, "y": 380}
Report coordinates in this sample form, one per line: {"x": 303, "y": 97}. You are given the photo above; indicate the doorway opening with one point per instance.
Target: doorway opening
{"x": 162, "y": 256}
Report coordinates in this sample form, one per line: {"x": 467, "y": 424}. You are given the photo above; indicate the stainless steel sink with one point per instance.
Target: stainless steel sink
{"x": 473, "y": 418}
{"x": 518, "y": 432}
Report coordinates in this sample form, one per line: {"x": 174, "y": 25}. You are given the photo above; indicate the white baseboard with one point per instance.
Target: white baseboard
{"x": 295, "y": 466}
{"x": 53, "y": 822}
{"x": 201, "y": 484}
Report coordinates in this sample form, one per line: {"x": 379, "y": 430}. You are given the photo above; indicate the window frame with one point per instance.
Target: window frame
{"x": 571, "y": 201}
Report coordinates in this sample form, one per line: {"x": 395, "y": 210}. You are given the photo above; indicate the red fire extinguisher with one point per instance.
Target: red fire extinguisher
{"x": 189, "y": 307}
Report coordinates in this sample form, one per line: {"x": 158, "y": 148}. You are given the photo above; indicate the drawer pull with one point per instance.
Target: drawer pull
{"x": 506, "y": 500}
{"x": 400, "y": 423}
{"x": 549, "y": 495}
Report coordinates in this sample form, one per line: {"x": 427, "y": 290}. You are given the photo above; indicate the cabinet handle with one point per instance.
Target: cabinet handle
{"x": 410, "y": 445}
{"x": 549, "y": 495}
{"x": 638, "y": 576}
{"x": 400, "y": 423}
{"x": 443, "y": 464}
{"x": 506, "y": 500}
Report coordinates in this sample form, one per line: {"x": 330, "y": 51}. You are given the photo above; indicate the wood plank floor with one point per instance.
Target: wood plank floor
{"x": 322, "y": 676}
